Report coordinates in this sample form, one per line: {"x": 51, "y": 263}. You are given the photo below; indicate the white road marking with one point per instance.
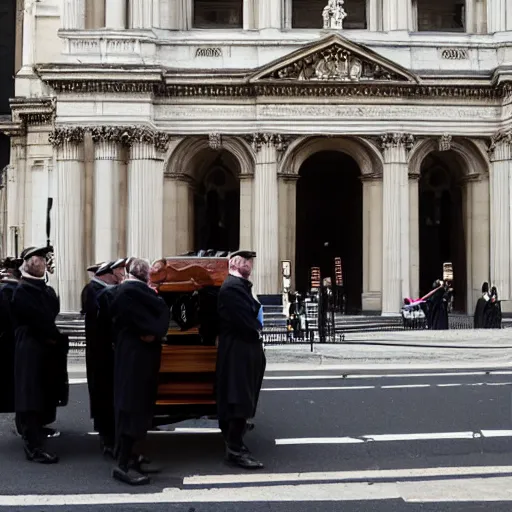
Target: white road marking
{"x": 325, "y": 388}
{"x": 394, "y": 437}
{"x": 284, "y": 493}
{"x": 449, "y": 385}
{"x": 389, "y": 376}
{"x": 404, "y": 386}
{"x": 335, "y": 476}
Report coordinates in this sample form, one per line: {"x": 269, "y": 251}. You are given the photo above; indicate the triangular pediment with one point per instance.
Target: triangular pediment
{"x": 334, "y": 59}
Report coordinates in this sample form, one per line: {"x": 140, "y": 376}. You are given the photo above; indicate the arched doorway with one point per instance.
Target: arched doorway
{"x": 329, "y": 221}
{"x": 441, "y": 223}
{"x": 217, "y": 202}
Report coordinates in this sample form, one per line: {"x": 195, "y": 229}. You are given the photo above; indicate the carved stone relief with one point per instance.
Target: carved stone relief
{"x": 215, "y": 141}
{"x": 395, "y": 140}
{"x": 334, "y": 63}
{"x": 66, "y": 135}
{"x": 281, "y": 142}
{"x": 445, "y": 142}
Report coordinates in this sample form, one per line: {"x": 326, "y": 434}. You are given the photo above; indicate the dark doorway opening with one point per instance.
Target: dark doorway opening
{"x": 329, "y": 222}
{"x": 441, "y": 230}
{"x": 217, "y": 204}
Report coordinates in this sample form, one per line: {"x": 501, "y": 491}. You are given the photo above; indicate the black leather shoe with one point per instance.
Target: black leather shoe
{"x": 243, "y": 460}
{"x": 130, "y": 477}
{"x": 40, "y": 456}
{"x": 143, "y": 465}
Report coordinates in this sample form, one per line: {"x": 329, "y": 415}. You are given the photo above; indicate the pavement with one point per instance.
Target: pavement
{"x": 348, "y": 427}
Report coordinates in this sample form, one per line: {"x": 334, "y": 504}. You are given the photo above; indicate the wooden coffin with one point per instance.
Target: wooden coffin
{"x": 187, "y": 274}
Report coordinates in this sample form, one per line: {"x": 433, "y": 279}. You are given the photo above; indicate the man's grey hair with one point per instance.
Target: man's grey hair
{"x": 35, "y": 266}
{"x": 139, "y": 268}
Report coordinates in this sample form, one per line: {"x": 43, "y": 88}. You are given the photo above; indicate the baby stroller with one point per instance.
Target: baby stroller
{"x": 414, "y": 314}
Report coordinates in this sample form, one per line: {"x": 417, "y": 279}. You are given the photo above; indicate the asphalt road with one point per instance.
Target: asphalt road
{"x": 390, "y": 443}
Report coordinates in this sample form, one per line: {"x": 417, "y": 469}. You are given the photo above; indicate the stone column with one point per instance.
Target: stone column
{"x": 145, "y": 193}
{"x": 397, "y": 15}
{"x": 115, "y": 14}
{"x": 375, "y": 16}
{"x": 73, "y": 15}
{"x": 94, "y": 14}
{"x": 141, "y": 14}
{"x": 107, "y": 200}
{"x": 287, "y": 192}
{"x": 414, "y": 235}
{"x": 69, "y": 216}
{"x": 266, "y": 232}
{"x": 372, "y": 242}
{"x": 178, "y": 223}
{"x": 500, "y": 239}
{"x": 395, "y": 215}
{"x": 497, "y": 16}
{"x": 246, "y": 209}
{"x": 478, "y": 208}
{"x": 269, "y": 14}
{"x": 249, "y": 14}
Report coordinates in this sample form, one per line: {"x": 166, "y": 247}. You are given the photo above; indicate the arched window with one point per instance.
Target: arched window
{"x": 308, "y": 14}
{"x": 441, "y": 15}
{"x": 218, "y": 14}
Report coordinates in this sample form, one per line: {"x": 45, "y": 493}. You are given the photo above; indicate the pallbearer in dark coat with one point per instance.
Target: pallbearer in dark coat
{"x": 141, "y": 320}
{"x": 240, "y": 360}
{"x": 9, "y": 279}
{"x": 40, "y": 354}
{"x": 99, "y": 354}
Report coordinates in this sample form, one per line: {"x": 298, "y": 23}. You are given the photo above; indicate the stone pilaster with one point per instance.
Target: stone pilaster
{"x": 115, "y": 14}
{"x": 107, "y": 200}
{"x": 478, "y": 240}
{"x": 414, "y": 235}
{"x": 246, "y": 209}
{"x": 270, "y": 14}
{"x": 500, "y": 239}
{"x": 397, "y": 15}
{"x": 69, "y": 216}
{"x": 395, "y": 215}
{"x": 141, "y": 14}
{"x": 266, "y": 215}
{"x": 145, "y": 192}
{"x": 178, "y": 214}
{"x": 73, "y": 15}
{"x": 16, "y": 194}
{"x": 372, "y": 242}
{"x": 287, "y": 193}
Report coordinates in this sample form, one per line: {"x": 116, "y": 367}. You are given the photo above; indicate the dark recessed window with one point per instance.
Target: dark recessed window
{"x": 308, "y": 14}
{"x": 218, "y": 13}
{"x": 441, "y": 15}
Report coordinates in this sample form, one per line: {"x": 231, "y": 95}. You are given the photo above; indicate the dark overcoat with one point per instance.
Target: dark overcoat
{"x": 137, "y": 311}
{"x": 40, "y": 362}
{"x": 99, "y": 352}
{"x": 241, "y": 359}
{"x": 7, "y": 346}
{"x": 438, "y": 310}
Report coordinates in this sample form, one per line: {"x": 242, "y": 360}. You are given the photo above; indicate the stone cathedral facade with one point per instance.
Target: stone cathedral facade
{"x": 161, "y": 127}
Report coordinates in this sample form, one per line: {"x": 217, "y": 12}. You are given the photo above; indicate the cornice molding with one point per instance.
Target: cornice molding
{"x": 299, "y": 89}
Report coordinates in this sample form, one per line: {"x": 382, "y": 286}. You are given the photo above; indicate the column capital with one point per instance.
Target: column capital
{"x": 500, "y": 146}
{"x": 414, "y": 176}
{"x": 246, "y": 176}
{"x": 396, "y": 140}
{"x": 68, "y": 142}
{"x": 258, "y": 140}
{"x": 143, "y": 135}
{"x": 66, "y": 135}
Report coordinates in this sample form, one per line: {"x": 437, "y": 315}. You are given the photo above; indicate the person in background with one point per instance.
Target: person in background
{"x": 240, "y": 359}
{"x": 480, "y": 308}
{"x": 140, "y": 321}
{"x": 40, "y": 360}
